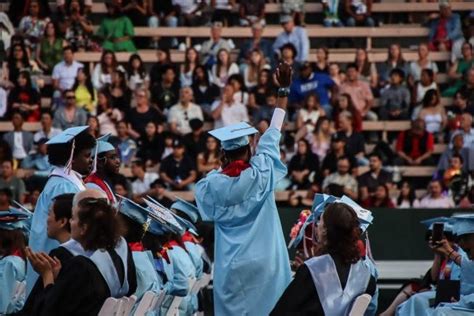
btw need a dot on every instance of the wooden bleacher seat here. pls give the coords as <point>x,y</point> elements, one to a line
<point>27,126</point>
<point>409,171</point>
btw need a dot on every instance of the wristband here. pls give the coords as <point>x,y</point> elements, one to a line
<point>283,92</point>
<point>449,255</point>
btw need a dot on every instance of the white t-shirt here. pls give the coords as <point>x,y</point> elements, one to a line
<point>106,123</point>
<point>441,202</point>
<point>66,74</point>
<point>18,149</point>
<point>231,114</point>
<point>186,6</point>
<point>139,186</point>
<point>181,116</point>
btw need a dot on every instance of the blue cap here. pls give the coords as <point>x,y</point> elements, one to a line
<point>234,136</point>
<point>132,210</point>
<point>158,229</point>
<point>103,145</point>
<point>187,225</point>
<point>187,208</point>
<point>163,216</point>
<point>364,215</point>
<point>14,219</point>
<point>448,227</point>
<point>67,135</point>
<point>463,224</point>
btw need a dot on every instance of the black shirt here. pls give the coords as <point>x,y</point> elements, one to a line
<point>301,296</point>
<point>151,149</point>
<point>177,169</point>
<point>193,147</point>
<point>367,180</point>
<point>208,96</point>
<point>355,143</point>
<point>165,97</point>
<point>330,162</point>
<point>140,120</point>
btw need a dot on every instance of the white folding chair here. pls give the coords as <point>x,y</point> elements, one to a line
<point>174,307</point>
<point>110,307</point>
<point>127,305</point>
<point>360,305</point>
<point>158,301</point>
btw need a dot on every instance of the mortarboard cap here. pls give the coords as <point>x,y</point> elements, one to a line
<point>158,229</point>
<point>16,218</point>
<point>234,136</point>
<point>463,224</point>
<point>448,227</point>
<point>102,146</point>
<point>164,216</point>
<point>67,135</point>
<point>132,210</point>
<point>187,208</point>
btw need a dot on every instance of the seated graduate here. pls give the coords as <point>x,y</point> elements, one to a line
<point>133,219</point>
<point>414,297</point>
<point>14,225</point>
<point>463,227</point>
<point>177,263</point>
<point>105,269</point>
<point>329,283</point>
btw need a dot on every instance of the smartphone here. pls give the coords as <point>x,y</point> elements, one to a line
<point>437,233</point>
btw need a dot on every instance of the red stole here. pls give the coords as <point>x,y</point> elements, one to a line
<point>136,246</point>
<point>93,178</point>
<point>164,251</point>
<point>188,237</point>
<point>234,168</point>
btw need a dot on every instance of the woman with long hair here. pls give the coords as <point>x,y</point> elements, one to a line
<point>136,73</point>
<point>86,95</point>
<point>302,166</point>
<point>423,62</point>
<point>204,91</point>
<point>240,90</point>
<point>320,139</point>
<point>394,60</point>
<point>407,197</point>
<point>119,91</point>
<point>344,103</point>
<point>191,61</point>
<point>255,64</point>
<point>103,267</point>
<point>322,60</point>
<point>107,116</point>
<point>459,68</point>
<point>223,69</point>
<point>310,113</point>
<point>102,73</point>
<point>209,159</point>
<point>258,94</point>
<point>433,113</point>
<point>151,144</point>
<point>25,99</point>
<point>49,51</point>
<point>18,61</point>
<point>345,276</point>
<point>381,198</point>
<point>367,70</point>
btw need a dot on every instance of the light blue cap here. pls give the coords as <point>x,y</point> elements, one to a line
<point>187,208</point>
<point>67,135</point>
<point>16,218</point>
<point>158,229</point>
<point>448,227</point>
<point>187,225</point>
<point>463,224</point>
<point>234,136</point>
<point>103,145</point>
<point>132,210</point>
<point>164,217</point>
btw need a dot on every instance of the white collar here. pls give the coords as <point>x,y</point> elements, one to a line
<point>73,176</point>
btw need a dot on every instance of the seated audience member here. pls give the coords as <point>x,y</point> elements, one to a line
<point>210,48</point>
<point>258,94</point>
<point>50,48</point>
<point>344,103</point>
<point>162,12</point>
<point>17,61</point>
<point>468,88</point>
<point>395,98</point>
<point>183,112</point>
<point>87,280</point>
<point>336,74</point>
<point>9,180</point>
<point>310,82</point>
<point>256,42</point>
<point>360,93</point>
<point>142,114</point>
<point>223,68</point>
<point>136,73</point>
<point>227,110</point>
<point>458,69</point>
<point>178,170</point>
<point>303,166</point>
<point>315,293</point>
<point>165,93</point>
<point>24,98</point>
<point>337,150</point>
<point>65,72</point>
<point>126,145</point>
<point>309,114</point>
<point>119,92</point>
<point>37,166</point>
<point>33,25</point>
<point>467,130</point>
<point>435,197</point>
<point>372,179</point>
<point>415,146</point>
<point>288,55</point>
<point>342,178</point>
<point>94,128</point>
<point>69,115</point>
<point>332,12</point>
<point>427,82</point>
<point>195,141</point>
<point>295,35</point>
<point>79,28</point>
<point>47,130</point>
<point>446,29</point>
<point>107,116</point>
<point>456,147</point>
<point>433,113</point>
<point>102,74</point>
<point>204,91</point>
<point>159,193</point>
<point>116,30</point>
<point>355,143</point>
<point>394,60</point>
<point>20,141</point>
<point>150,144</point>
<point>320,138</point>
<point>86,95</point>
<point>456,180</point>
<point>209,159</point>
<point>406,197</point>
<point>253,67</point>
<point>358,13</point>
<point>191,61</point>
<point>423,62</point>
<point>459,106</point>
<point>379,198</point>
<point>141,185</point>
<point>163,57</point>
<point>367,70</point>
<point>252,12</point>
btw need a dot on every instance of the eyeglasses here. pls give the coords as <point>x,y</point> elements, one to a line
<point>70,97</point>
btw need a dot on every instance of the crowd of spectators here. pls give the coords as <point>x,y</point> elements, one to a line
<point>158,115</point>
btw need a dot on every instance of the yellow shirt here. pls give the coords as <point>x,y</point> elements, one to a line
<point>84,99</point>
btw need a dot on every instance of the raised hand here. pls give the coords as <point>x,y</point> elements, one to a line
<point>283,75</point>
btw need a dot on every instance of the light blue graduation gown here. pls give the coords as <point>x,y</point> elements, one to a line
<point>12,270</point>
<point>196,257</point>
<point>39,240</point>
<point>419,304</point>
<point>179,271</point>
<point>147,278</point>
<point>373,305</point>
<point>252,267</point>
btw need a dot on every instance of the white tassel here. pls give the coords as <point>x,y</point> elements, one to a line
<point>94,167</point>
<point>68,166</point>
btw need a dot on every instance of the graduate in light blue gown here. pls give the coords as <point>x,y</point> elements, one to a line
<point>445,268</point>
<point>14,226</point>
<point>463,227</point>
<point>70,154</point>
<point>134,219</point>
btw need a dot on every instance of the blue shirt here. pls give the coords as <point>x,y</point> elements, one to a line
<point>319,83</point>
<point>299,38</point>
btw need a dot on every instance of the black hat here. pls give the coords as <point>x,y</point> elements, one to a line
<point>178,143</point>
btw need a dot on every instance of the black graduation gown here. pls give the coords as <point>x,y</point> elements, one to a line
<point>301,297</point>
<point>80,289</point>
<point>29,308</point>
